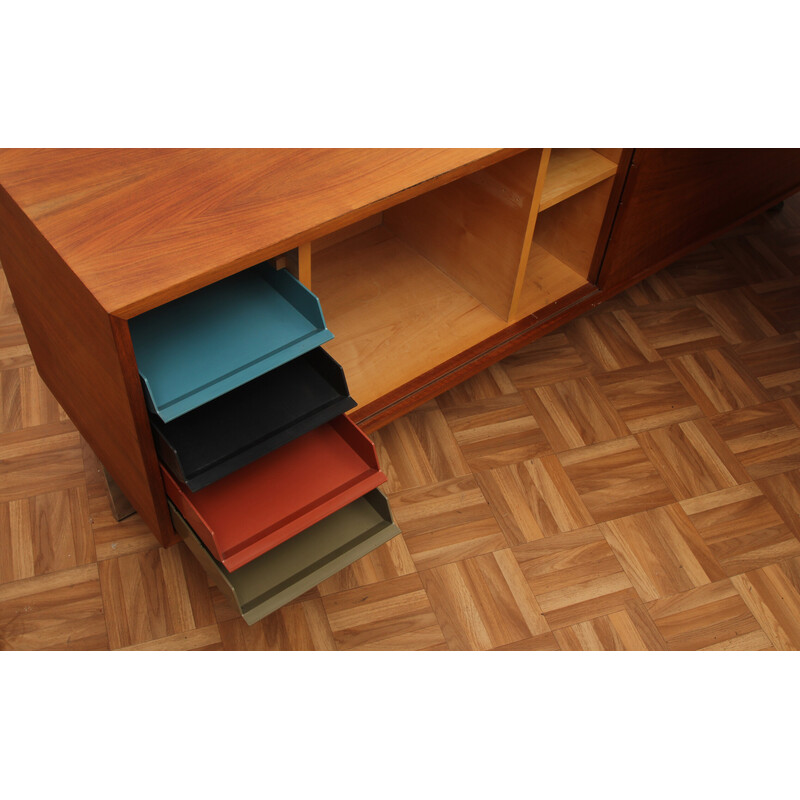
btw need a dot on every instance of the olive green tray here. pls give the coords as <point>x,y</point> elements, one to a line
<point>300,563</point>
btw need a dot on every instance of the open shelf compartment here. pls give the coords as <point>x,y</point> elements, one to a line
<point>267,502</point>
<point>194,349</point>
<point>299,564</point>
<point>571,170</point>
<point>212,441</point>
<point>394,314</point>
<point>563,250</point>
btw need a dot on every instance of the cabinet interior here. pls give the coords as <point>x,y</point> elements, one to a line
<point>407,290</point>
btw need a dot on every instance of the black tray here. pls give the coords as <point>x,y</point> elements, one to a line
<point>233,430</point>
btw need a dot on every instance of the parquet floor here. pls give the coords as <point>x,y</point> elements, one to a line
<point>631,481</point>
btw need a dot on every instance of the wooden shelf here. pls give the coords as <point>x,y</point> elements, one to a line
<point>547,280</point>
<point>393,314</point>
<point>571,170</point>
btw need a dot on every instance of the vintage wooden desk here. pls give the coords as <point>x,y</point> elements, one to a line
<point>429,264</point>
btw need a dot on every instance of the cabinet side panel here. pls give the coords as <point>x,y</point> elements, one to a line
<point>474,229</point>
<point>676,199</point>
<point>86,360</point>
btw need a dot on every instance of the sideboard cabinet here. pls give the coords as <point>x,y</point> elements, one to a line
<point>428,264</point>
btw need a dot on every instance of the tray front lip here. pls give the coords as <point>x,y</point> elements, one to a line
<point>247,552</point>
<point>304,303</point>
<point>172,409</point>
<point>204,476</point>
<point>262,541</point>
<point>329,564</point>
<point>198,476</point>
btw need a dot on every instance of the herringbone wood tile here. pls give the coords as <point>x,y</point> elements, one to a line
<point>630,481</point>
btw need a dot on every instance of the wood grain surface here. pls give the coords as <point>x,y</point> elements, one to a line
<point>141,227</point>
<point>686,197</point>
<point>648,498</point>
<point>85,358</point>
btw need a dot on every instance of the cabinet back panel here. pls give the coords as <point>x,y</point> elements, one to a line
<point>474,229</point>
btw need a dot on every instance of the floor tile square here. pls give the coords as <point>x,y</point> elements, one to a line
<point>45,533</point>
<point>615,631</point>
<point>775,362</point>
<point>779,300</point>
<point>392,615</point>
<point>574,414</point>
<point>533,499</point>
<point>418,449</point>
<point>298,626</point>
<point>707,617</point>
<point>772,594</point>
<point>446,522</point>
<point>648,396</point>
<point>615,479</point>
<point>741,528</point>
<point>708,269</point>
<point>483,602</point>
<point>783,491</point>
<point>493,381</point>
<point>765,438</point>
<point>575,577</point>
<point>692,458</point>
<point>496,431</point>
<point>735,316</point>
<point>661,552</point>
<point>547,360</point>
<point>655,289</point>
<point>609,341</point>
<point>57,611</point>
<point>676,327</point>
<point>717,381</point>
<point>154,594</point>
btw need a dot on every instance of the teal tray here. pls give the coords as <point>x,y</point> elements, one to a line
<point>209,342</point>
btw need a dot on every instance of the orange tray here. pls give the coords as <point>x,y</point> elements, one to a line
<point>267,502</point>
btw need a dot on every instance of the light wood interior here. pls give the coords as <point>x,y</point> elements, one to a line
<point>611,153</point>
<point>547,280</point>
<point>408,289</point>
<point>393,314</point>
<point>570,230</point>
<point>346,233</point>
<point>474,229</point>
<point>572,170</point>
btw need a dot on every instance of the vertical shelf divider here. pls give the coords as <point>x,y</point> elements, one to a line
<point>538,187</point>
<point>474,229</point>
